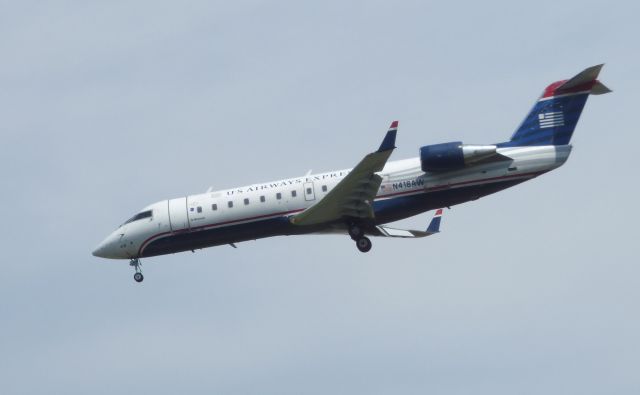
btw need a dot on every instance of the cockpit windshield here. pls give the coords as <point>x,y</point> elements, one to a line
<point>144,214</point>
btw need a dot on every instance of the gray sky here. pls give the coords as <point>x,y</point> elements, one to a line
<point>106,107</point>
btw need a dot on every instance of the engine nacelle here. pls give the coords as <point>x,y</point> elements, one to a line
<point>454,155</point>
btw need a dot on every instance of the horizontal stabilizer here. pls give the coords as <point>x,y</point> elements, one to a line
<point>600,89</point>
<point>585,81</point>
<point>586,76</point>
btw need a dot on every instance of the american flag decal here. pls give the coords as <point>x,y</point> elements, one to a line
<point>551,119</point>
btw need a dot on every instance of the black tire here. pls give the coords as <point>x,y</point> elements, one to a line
<point>355,232</point>
<point>138,277</point>
<point>364,244</point>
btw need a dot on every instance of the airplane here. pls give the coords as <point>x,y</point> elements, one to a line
<point>359,202</point>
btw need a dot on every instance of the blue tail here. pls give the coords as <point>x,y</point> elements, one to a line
<point>555,115</point>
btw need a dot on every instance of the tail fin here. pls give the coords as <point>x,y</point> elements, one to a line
<point>556,113</point>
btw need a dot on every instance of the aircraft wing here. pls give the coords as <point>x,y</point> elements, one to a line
<point>353,196</point>
<point>433,228</point>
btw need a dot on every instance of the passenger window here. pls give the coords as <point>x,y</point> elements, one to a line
<point>214,207</point>
<point>293,193</point>
<point>230,204</point>
<point>308,191</point>
<point>199,209</point>
<point>246,201</point>
<point>278,196</point>
<point>262,198</point>
<point>324,188</point>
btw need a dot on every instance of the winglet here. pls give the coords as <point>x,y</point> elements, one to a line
<point>434,226</point>
<point>389,141</point>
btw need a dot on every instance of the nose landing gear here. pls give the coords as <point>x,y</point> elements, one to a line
<point>135,263</point>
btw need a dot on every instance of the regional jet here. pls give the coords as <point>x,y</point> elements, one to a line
<point>359,202</point>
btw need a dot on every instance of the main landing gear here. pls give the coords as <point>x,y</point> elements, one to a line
<point>357,234</point>
<point>363,244</point>
<point>135,263</point>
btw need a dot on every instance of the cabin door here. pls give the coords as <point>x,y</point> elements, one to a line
<point>178,217</point>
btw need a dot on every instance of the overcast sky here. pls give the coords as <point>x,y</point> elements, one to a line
<point>106,107</point>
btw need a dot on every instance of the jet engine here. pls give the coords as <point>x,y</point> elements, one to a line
<point>454,155</point>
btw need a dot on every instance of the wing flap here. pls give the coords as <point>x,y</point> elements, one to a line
<point>433,228</point>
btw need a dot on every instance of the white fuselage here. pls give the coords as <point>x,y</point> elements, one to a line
<point>261,210</point>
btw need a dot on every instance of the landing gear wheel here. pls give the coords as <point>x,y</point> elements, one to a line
<point>135,263</point>
<point>364,244</point>
<point>355,232</point>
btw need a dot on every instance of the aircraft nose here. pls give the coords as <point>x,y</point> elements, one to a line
<point>107,249</point>
<point>100,251</point>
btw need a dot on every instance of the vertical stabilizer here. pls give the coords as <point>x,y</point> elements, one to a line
<point>556,113</point>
